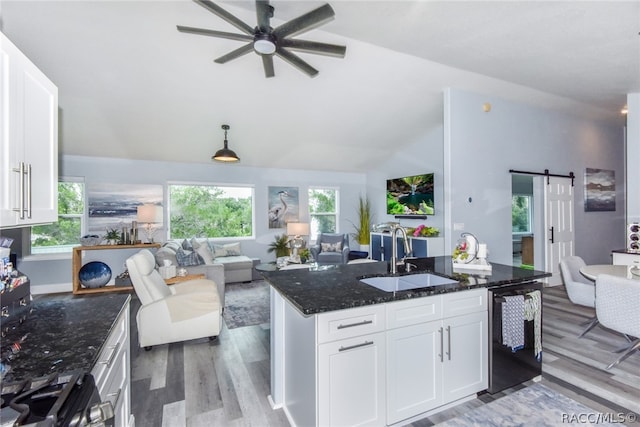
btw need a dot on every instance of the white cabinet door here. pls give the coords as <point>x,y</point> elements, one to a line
<point>351,381</point>
<point>465,356</point>
<point>414,370</point>
<point>29,141</point>
<point>626,259</point>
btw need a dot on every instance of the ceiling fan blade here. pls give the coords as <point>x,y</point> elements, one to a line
<point>296,61</point>
<point>264,12</point>
<point>220,12</point>
<point>305,22</point>
<point>314,47</point>
<point>267,63</point>
<point>213,33</point>
<point>235,53</point>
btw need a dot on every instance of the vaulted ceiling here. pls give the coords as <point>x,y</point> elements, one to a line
<point>132,86</point>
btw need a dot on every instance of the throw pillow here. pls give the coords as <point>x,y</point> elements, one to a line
<point>331,247</point>
<point>187,258</point>
<point>171,244</point>
<point>205,254</point>
<point>194,243</point>
<point>218,251</point>
<point>186,245</point>
<point>165,253</point>
<point>233,249</point>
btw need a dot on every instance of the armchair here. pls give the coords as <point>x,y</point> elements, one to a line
<point>331,248</point>
<point>617,301</point>
<point>580,290</point>
<point>184,311</point>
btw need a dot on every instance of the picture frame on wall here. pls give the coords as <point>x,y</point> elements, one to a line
<point>114,206</point>
<point>284,206</point>
<point>600,190</point>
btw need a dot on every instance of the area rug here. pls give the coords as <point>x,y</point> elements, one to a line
<point>246,304</point>
<point>536,405</point>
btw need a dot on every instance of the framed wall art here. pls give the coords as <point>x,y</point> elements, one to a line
<point>284,206</point>
<point>600,190</point>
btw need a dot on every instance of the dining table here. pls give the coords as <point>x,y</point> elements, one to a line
<point>591,272</point>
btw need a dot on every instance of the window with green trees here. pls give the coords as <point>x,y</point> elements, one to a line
<point>63,235</point>
<point>521,214</point>
<point>210,211</point>
<point>323,211</point>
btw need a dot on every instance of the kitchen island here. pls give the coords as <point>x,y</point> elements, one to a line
<point>346,353</point>
<point>64,333</point>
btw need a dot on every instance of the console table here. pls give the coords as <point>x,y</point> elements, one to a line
<point>76,265</point>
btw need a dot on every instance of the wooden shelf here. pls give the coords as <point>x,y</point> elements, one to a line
<point>76,264</point>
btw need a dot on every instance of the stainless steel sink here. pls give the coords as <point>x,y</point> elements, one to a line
<point>405,283</point>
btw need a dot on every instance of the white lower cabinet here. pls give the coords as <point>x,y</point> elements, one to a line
<point>626,259</point>
<point>351,381</point>
<point>431,363</point>
<point>380,364</point>
<point>111,372</point>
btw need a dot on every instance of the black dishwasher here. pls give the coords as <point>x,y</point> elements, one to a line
<point>515,334</point>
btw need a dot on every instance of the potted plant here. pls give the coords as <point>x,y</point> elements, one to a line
<point>304,255</point>
<point>280,246</point>
<point>112,237</point>
<point>363,227</point>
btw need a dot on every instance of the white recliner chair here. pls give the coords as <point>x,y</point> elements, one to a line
<point>184,311</point>
<point>581,291</point>
<point>617,306</point>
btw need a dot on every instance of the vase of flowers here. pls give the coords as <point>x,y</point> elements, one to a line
<point>363,227</point>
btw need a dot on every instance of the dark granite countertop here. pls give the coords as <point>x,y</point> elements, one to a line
<point>339,287</point>
<point>626,251</point>
<point>62,333</point>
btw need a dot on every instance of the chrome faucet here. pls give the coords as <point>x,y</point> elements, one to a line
<point>394,247</point>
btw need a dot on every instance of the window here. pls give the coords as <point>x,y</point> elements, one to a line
<point>63,235</point>
<point>521,214</point>
<point>210,211</point>
<point>323,211</point>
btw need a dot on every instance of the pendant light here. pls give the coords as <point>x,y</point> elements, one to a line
<point>224,154</point>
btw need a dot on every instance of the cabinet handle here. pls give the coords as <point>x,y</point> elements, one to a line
<point>351,325</point>
<point>29,191</point>
<point>441,344</point>
<point>20,208</point>
<point>449,342</point>
<point>117,397</point>
<point>109,361</point>
<point>351,347</point>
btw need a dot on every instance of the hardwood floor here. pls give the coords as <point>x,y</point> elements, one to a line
<point>226,382</point>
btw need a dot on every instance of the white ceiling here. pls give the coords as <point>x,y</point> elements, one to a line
<point>132,86</point>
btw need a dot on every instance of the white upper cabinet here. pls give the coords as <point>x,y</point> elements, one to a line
<point>28,141</point>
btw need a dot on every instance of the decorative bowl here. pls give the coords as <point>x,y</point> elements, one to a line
<point>90,240</point>
<point>94,274</point>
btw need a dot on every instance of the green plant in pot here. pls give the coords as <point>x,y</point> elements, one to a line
<point>363,226</point>
<point>280,246</point>
<point>304,255</point>
<point>112,236</point>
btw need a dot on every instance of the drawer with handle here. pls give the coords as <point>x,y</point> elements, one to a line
<point>353,322</point>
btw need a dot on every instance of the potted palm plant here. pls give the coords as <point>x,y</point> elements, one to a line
<point>363,226</point>
<point>280,246</point>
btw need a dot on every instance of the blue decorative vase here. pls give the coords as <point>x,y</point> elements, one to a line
<point>94,274</point>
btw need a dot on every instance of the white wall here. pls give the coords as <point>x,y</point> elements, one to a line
<point>633,157</point>
<point>481,147</point>
<point>118,171</point>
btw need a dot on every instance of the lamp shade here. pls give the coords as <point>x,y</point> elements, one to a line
<point>298,228</point>
<point>150,213</point>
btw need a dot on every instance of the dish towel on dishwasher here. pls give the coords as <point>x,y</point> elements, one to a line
<point>533,311</point>
<point>513,322</point>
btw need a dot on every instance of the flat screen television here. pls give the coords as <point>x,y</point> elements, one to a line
<point>410,195</point>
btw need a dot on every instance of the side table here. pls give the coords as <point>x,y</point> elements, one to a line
<point>178,279</point>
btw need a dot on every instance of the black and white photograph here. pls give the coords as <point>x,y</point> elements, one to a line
<point>600,190</point>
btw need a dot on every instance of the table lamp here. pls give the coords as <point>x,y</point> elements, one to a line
<point>297,230</point>
<point>149,215</point>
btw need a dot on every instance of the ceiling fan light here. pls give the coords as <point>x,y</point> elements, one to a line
<point>264,47</point>
<point>225,154</point>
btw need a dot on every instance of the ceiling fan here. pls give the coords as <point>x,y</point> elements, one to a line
<point>267,41</point>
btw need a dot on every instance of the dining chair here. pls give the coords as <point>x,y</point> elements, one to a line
<point>581,291</point>
<point>618,308</point>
